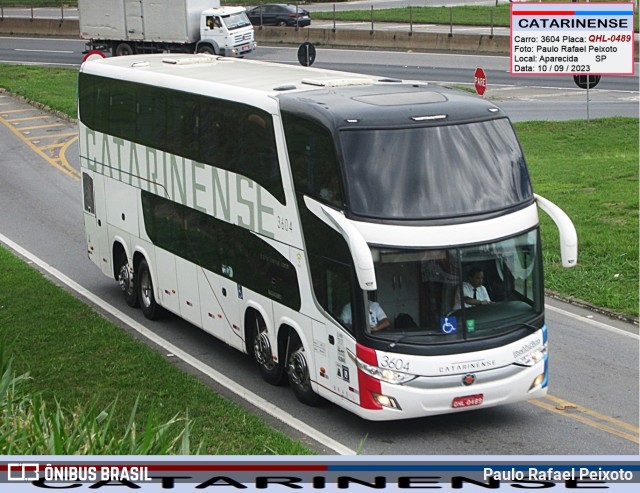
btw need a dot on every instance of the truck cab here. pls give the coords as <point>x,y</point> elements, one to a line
<point>226,31</point>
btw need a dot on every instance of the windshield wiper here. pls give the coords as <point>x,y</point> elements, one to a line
<point>527,325</point>
<point>404,337</point>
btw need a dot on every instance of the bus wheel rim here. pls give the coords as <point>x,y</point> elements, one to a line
<point>262,350</point>
<point>298,369</point>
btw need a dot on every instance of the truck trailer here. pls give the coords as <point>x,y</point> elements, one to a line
<point>127,27</point>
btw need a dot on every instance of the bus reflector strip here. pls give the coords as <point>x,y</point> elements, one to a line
<point>369,386</point>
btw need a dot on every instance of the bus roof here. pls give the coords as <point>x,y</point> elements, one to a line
<point>346,95</point>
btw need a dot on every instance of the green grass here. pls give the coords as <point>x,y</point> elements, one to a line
<point>591,171</point>
<point>75,356</point>
<point>466,15</point>
<point>29,426</point>
<point>52,87</point>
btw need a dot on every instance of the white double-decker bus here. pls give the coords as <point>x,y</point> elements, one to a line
<point>330,225</point>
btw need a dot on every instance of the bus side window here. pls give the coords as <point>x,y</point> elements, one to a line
<point>122,114</point>
<point>313,160</point>
<point>152,117</point>
<point>333,286</point>
<point>87,194</point>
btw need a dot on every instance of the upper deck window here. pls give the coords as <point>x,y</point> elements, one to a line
<point>313,160</point>
<point>434,172</point>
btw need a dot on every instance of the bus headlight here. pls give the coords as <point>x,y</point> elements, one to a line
<point>384,374</point>
<point>533,357</point>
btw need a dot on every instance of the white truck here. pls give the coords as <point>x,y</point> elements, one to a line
<point>126,27</point>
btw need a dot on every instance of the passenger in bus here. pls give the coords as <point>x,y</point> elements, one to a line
<point>474,293</point>
<point>378,319</point>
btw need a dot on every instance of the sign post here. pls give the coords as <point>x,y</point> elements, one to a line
<point>480,81</point>
<point>586,82</point>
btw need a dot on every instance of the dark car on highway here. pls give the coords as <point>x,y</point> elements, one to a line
<point>279,14</point>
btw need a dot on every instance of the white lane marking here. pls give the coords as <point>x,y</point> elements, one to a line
<point>227,383</point>
<point>594,323</point>
<point>44,51</point>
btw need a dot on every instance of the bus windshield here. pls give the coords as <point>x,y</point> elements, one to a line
<point>434,172</point>
<point>456,294</point>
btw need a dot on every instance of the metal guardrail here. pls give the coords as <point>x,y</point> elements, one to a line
<point>31,9</point>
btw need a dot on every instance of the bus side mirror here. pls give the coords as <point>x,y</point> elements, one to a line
<point>568,235</point>
<point>360,251</point>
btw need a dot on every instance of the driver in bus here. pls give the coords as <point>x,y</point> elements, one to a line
<point>378,319</point>
<point>474,293</point>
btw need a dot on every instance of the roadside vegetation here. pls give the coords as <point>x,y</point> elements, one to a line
<point>94,389</point>
<point>30,426</point>
<point>590,169</point>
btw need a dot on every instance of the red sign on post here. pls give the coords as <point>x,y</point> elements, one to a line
<point>480,81</point>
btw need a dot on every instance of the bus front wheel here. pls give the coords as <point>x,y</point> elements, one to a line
<point>146,296</point>
<point>271,371</point>
<point>298,371</point>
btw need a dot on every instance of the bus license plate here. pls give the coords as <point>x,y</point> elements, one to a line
<point>467,401</point>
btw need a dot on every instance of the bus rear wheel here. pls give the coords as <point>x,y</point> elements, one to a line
<point>271,371</point>
<point>126,279</point>
<point>146,296</point>
<point>298,372</point>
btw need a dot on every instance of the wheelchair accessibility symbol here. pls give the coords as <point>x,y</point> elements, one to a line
<point>449,325</point>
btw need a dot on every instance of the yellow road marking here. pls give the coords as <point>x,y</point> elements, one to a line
<point>63,157</point>
<point>51,146</point>
<point>51,125</point>
<point>63,166</point>
<point>28,118</point>
<point>49,136</point>
<point>589,417</point>
<point>8,112</point>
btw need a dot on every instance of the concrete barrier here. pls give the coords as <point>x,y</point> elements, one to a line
<point>40,27</point>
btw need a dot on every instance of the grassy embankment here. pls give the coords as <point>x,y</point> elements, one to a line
<point>589,169</point>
